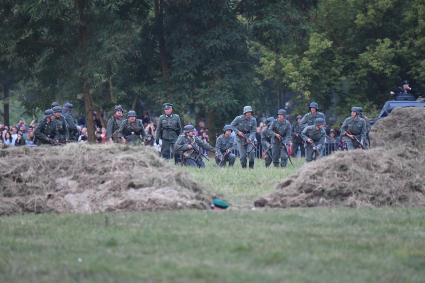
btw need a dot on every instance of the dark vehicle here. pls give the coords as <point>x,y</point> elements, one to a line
<point>392,104</point>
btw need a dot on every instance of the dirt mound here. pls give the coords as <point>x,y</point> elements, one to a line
<point>403,127</point>
<point>93,178</point>
<point>391,174</point>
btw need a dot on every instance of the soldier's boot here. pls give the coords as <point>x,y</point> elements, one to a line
<point>251,164</point>
<point>276,164</point>
<point>284,163</point>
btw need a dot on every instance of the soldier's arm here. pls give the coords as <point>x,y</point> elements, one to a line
<point>304,134</point>
<point>253,130</point>
<point>364,131</point>
<point>344,127</point>
<point>304,121</point>
<point>158,129</point>
<point>180,145</point>
<point>235,124</point>
<point>143,134</point>
<point>109,126</point>
<point>288,136</point>
<point>321,142</point>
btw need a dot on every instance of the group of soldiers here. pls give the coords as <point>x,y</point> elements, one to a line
<point>182,144</point>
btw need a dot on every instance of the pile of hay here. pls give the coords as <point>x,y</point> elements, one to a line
<point>390,174</point>
<point>93,178</point>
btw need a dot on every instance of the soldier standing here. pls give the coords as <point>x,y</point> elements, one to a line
<point>280,130</point>
<point>131,130</point>
<point>266,142</point>
<point>190,147</point>
<point>314,138</point>
<point>353,130</point>
<point>297,141</point>
<point>312,115</point>
<point>114,123</point>
<point>368,127</point>
<point>168,129</point>
<point>61,125</point>
<point>245,127</point>
<point>46,132</point>
<point>72,126</point>
<point>224,146</point>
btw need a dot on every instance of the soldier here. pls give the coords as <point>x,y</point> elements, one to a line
<point>61,125</point>
<point>353,130</point>
<point>403,92</point>
<point>310,117</point>
<point>368,127</point>
<point>245,127</point>
<point>114,123</point>
<point>280,130</point>
<point>297,141</point>
<point>168,129</point>
<point>72,126</point>
<point>266,142</point>
<point>46,131</point>
<point>190,148</point>
<point>314,138</point>
<point>131,130</point>
<point>224,146</point>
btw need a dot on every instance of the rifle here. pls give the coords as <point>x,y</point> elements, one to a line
<point>196,150</point>
<point>224,156</point>
<point>284,146</point>
<point>354,139</point>
<point>248,141</point>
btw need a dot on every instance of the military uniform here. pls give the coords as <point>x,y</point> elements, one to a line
<point>266,142</point>
<point>355,126</point>
<point>132,132</point>
<point>309,118</point>
<point>191,156</point>
<point>113,125</point>
<point>45,132</point>
<point>70,121</point>
<point>223,149</point>
<point>248,127</point>
<point>297,141</point>
<point>168,129</point>
<point>312,150</point>
<point>284,129</point>
<point>368,127</point>
<point>62,135</point>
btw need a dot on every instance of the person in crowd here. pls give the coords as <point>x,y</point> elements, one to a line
<point>168,130</point>
<point>7,139</point>
<point>403,93</point>
<point>223,148</point>
<point>245,127</point>
<point>353,130</point>
<point>70,121</point>
<point>114,124</point>
<point>83,136</point>
<point>20,141</point>
<point>313,114</point>
<point>189,148</point>
<point>297,141</point>
<point>314,138</point>
<point>150,133</point>
<point>266,142</point>
<point>62,133</point>
<point>132,130</point>
<point>280,130</point>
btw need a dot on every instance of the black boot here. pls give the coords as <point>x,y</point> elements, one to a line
<point>251,164</point>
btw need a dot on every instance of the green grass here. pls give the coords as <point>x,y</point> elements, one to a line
<point>238,245</point>
<point>242,186</point>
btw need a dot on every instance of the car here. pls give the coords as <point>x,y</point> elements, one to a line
<point>392,104</point>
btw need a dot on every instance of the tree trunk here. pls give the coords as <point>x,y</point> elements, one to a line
<point>159,18</point>
<point>81,6</point>
<point>6,117</point>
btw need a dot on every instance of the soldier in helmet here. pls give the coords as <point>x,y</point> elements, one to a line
<point>131,129</point>
<point>70,120</point>
<point>312,115</point>
<point>245,127</point>
<point>189,146</point>
<point>114,123</point>
<point>281,131</point>
<point>314,138</point>
<point>46,131</point>
<point>297,141</point>
<point>224,146</point>
<point>61,125</point>
<point>54,104</point>
<point>368,127</point>
<point>353,130</point>
<point>266,142</point>
<point>168,129</point>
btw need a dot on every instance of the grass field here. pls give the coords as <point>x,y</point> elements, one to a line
<point>239,245</point>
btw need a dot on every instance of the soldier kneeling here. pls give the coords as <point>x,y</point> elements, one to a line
<point>223,148</point>
<point>190,148</point>
<point>132,130</point>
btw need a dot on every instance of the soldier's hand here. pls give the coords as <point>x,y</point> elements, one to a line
<point>240,134</point>
<point>189,146</point>
<point>279,137</point>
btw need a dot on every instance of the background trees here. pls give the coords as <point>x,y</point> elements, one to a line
<point>209,57</point>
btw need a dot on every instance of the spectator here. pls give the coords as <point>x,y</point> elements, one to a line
<point>146,119</point>
<point>7,139</point>
<point>19,140</point>
<point>83,135</point>
<point>150,133</point>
